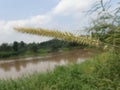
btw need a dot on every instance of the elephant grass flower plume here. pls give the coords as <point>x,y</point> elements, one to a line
<point>66,36</point>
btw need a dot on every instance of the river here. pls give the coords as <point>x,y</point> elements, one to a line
<point>24,66</point>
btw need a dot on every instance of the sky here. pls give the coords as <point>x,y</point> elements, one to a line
<point>64,15</point>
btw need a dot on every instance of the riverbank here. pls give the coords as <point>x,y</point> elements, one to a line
<point>100,73</point>
<point>22,49</point>
<point>44,53</point>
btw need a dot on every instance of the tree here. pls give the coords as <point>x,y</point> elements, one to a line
<point>22,46</point>
<point>15,46</point>
<point>5,47</point>
<point>34,47</point>
<point>106,27</point>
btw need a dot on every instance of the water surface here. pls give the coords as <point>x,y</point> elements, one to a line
<point>24,66</point>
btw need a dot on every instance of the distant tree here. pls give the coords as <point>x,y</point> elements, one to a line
<point>15,46</point>
<point>22,46</point>
<point>5,47</point>
<point>55,46</point>
<point>34,47</point>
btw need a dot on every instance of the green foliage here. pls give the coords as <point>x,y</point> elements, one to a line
<point>33,47</point>
<point>15,46</point>
<point>106,27</point>
<point>5,47</point>
<point>8,54</point>
<point>23,49</point>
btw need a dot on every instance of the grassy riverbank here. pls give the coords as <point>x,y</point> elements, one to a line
<point>45,52</point>
<point>100,73</point>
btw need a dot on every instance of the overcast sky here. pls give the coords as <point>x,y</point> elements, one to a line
<point>66,15</point>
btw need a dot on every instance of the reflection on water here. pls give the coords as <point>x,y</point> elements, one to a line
<point>19,67</point>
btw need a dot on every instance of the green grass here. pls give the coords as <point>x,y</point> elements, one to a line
<point>100,73</point>
<point>28,53</point>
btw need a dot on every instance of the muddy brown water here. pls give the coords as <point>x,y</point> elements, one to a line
<point>25,66</point>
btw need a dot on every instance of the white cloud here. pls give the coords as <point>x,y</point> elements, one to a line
<point>71,6</point>
<point>64,7</point>
<point>40,19</point>
<point>9,35</point>
<point>35,20</point>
